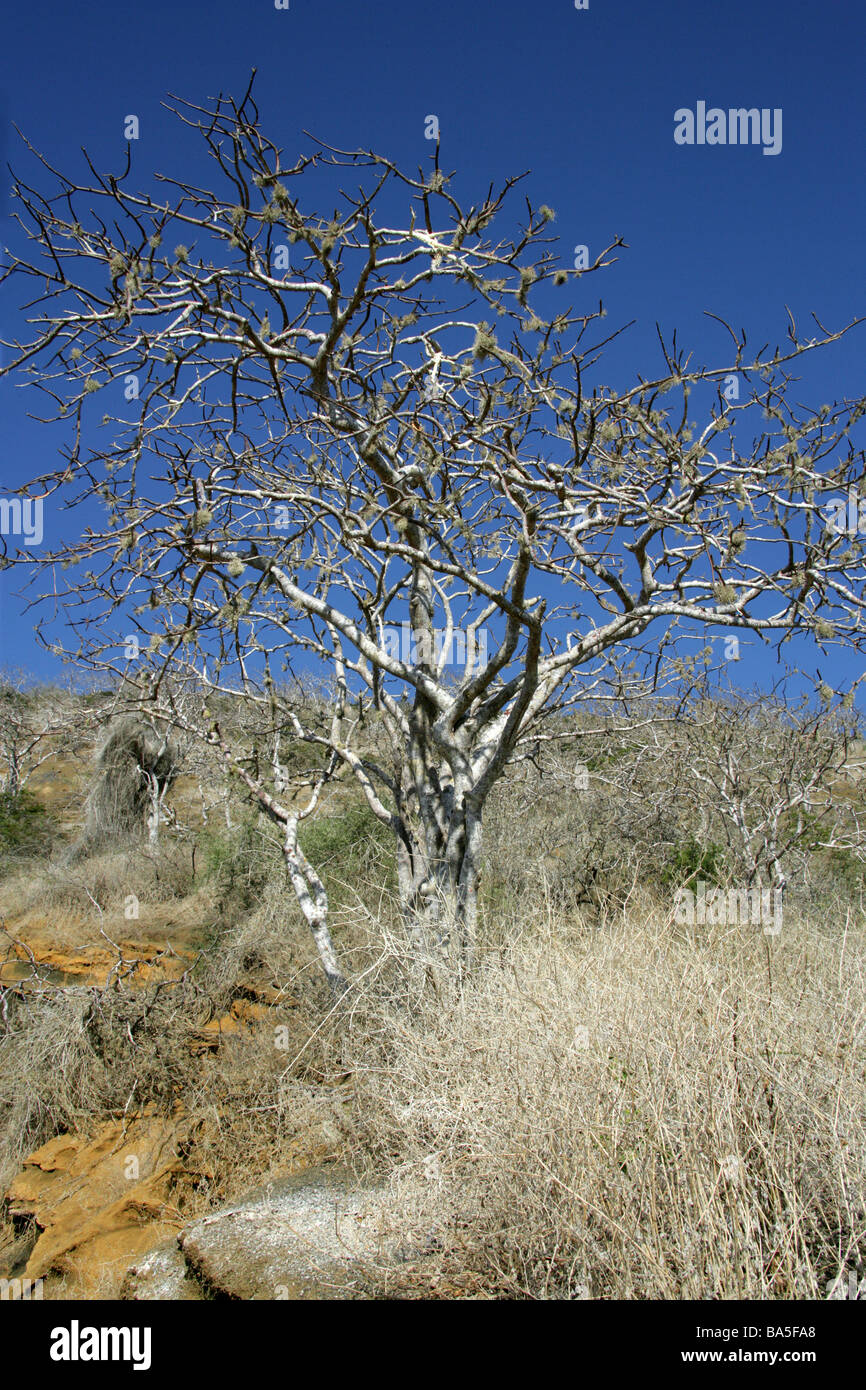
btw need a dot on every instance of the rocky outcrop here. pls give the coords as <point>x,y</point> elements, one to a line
<point>104,1214</point>
<point>140,962</point>
<point>99,1203</point>
<point>244,1017</point>
<point>310,1236</point>
<point>162,1276</point>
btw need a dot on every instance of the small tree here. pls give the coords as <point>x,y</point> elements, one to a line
<point>761,774</point>
<point>33,724</point>
<point>366,439</point>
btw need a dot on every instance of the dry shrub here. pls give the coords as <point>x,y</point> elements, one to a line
<point>72,1055</point>
<point>96,889</point>
<point>639,1111</point>
<point>109,876</point>
<point>272,944</point>
<point>131,753</point>
<point>635,1113</point>
<point>255,1120</point>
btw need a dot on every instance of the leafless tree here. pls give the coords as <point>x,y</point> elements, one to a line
<point>33,723</point>
<point>354,440</point>
<point>761,773</point>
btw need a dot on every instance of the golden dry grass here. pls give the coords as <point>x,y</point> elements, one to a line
<point>639,1112</point>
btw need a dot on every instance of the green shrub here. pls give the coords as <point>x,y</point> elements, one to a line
<point>240,861</point>
<point>845,869</point>
<point>25,826</point>
<point>691,860</point>
<point>841,866</point>
<point>350,845</point>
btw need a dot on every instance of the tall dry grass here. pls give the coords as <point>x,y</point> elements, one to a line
<point>648,1111</point>
<point>638,1111</point>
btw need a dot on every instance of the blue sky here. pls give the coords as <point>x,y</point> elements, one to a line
<point>584,99</point>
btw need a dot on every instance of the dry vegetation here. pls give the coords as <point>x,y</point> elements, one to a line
<point>611,1106</point>
<point>633,1113</point>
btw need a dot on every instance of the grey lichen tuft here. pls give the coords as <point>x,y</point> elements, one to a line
<point>484,342</point>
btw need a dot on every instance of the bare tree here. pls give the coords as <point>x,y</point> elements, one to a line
<point>264,780</point>
<point>361,440</point>
<point>760,773</point>
<point>33,723</point>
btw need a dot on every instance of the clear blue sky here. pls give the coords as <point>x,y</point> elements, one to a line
<point>583,99</point>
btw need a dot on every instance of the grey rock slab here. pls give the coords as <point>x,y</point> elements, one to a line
<point>310,1236</point>
<point>161,1275</point>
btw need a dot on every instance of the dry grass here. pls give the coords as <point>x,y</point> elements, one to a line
<point>107,876</point>
<point>72,1055</point>
<point>635,1113</point>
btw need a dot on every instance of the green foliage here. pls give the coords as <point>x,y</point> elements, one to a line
<point>25,827</point>
<point>691,860</point>
<point>346,849</point>
<point>348,845</point>
<point>297,756</point>
<point>812,832</point>
<point>842,865</point>
<point>847,869</point>
<point>609,755</point>
<point>239,861</point>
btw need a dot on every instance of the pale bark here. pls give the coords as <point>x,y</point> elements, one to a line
<point>313,901</point>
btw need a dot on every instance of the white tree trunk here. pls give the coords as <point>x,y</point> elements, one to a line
<point>313,900</point>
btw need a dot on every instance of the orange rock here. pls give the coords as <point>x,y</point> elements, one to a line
<point>101,1203</point>
<point>263,993</point>
<point>143,962</point>
<point>250,1013</point>
<point>243,1016</point>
